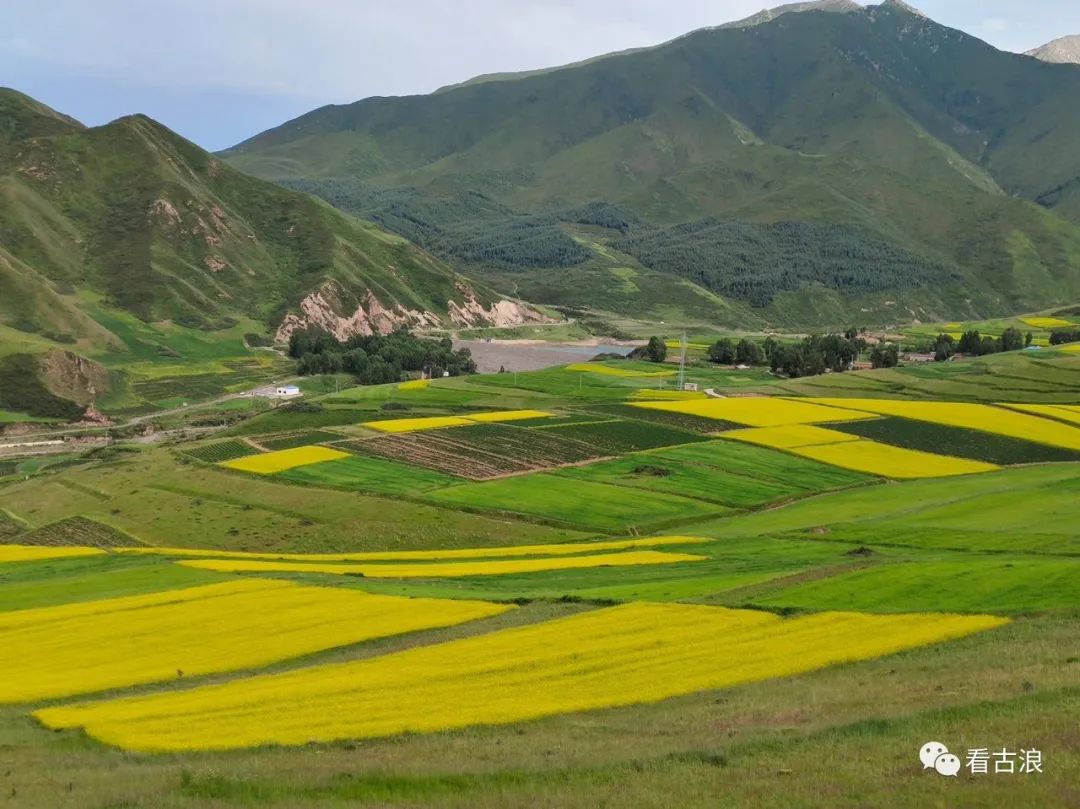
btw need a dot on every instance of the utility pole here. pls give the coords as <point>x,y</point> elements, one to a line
<point>682,364</point>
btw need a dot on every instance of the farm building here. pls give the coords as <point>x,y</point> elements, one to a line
<point>277,391</point>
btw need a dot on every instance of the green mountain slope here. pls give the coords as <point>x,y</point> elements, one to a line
<point>125,242</point>
<point>961,157</point>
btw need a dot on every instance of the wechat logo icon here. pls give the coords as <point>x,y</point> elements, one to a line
<point>936,756</point>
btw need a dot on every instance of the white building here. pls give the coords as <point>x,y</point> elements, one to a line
<point>287,390</point>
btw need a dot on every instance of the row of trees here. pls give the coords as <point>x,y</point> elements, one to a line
<point>813,355</point>
<point>1062,336</point>
<point>974,344</point>
<point>379,358</point>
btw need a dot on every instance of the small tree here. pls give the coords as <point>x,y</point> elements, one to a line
<point>1011,340</point>
<point>885,355</point>
<point>722,352</point>
<point>749,353</point>
<point>656,350</point>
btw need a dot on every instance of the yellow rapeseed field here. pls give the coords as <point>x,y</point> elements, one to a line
<point>414,425</point>
<point>656,395</point>
<point>509,551</point>
<point>760,411</point>
<point>987,418</point>
<point>790,436</point>
<point>445,570</point>
<point>415,384</point>
<point>1070,413</point>
<point>439,422</point>
<point>1073,348</point>
<point>508,415</point>
<point>82,648</point>
<point>271,462</point>
<point>37,553</point>
<point>607,370</point>
<point>1047,323</point>
<point>892,462</point>
<point>636,653</point>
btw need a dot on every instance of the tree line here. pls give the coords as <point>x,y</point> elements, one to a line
<point>813,355</point>
<point>974,344</point>
<point>378,358</point>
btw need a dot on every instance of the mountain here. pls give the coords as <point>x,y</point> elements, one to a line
<point>126,241</point>
<point>770,14</point>
<point>945,168</point>
<point>1065,50</point>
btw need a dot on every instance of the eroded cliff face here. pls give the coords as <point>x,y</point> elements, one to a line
<point>72,377</point>
<point>471,313</point>
<point>324,309</point>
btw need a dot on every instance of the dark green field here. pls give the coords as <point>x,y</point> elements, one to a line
<point>974,444</point>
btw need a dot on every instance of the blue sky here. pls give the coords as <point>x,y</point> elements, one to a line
<point>222,70</point>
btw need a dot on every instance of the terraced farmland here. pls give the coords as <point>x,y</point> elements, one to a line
<point>222,451</point>
<point>478,451</point>
<point>76,531</point>
<point>295,440</point>
<point>618,436</point>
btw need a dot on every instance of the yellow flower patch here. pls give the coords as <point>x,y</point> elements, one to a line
<point>647,394</point>
<point>81,648</point>
<point>509,415</point>
<point>414,425</point>
<point>510,551</point>
<point>760,411</point>
<point>988,418</point>
<point>1070,413</point>
<point>38,553</point>
<point>888,461</point>
<point>445,570</point>
<point>626,655</point>
<point>415,384</point>
<point>440,422</point>
<point>271,462</point>
<point>607,370</point>
<point>789,436</point>
<point>1047,323</point>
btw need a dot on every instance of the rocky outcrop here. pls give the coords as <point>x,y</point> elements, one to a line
<point>323,309</point>
<point>72,377</point>
<point>326,309</point>
<point>471,313</point>
<point>1061,51</point>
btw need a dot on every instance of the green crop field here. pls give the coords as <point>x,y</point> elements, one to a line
<point>222,451</point>
<point>710,481</point>
<point>765,465</point>
<point>619,436</point>
<point>995,585</point>
<point>368,474</point>
<point>293,440</point>
<point>610,509</point>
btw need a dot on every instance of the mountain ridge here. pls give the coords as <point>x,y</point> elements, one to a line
<point>879,120</point>
<point>137,177</point>
<point>1064,50</point>
<point>126,242</point>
